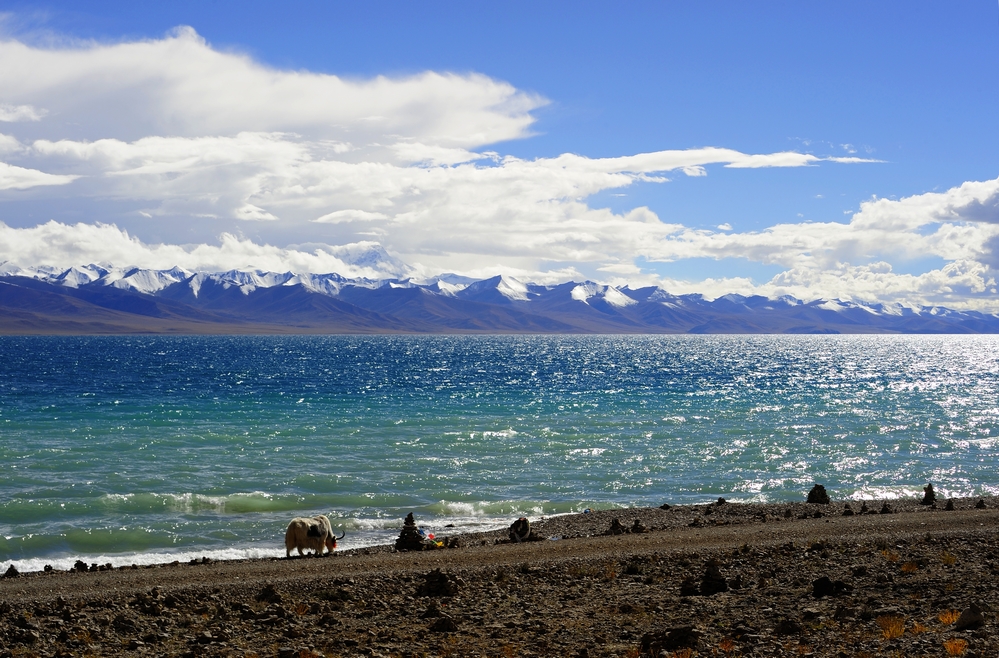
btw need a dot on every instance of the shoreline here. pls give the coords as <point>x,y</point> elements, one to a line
<point>582,594</point>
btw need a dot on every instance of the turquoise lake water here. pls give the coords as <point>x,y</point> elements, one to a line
<point>148,449</point>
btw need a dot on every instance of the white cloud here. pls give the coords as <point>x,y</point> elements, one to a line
<point>13,113</point>
<point>19,178</point>
<point>179,85</point>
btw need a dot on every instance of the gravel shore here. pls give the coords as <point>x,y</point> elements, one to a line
<point>722,579</point>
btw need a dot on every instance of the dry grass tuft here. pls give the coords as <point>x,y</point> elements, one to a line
<point>727,645</point>
<point>892,626</point>
<point>918,629</point>
<point>683,653</point>
<point>956,647</point>
<point>948,558</point>
<point>948,616</point>
<point>891,556</point>
<point>910,567</point>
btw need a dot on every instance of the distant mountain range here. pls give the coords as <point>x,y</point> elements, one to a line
<point>108,300</point>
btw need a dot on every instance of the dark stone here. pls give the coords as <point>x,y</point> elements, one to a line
<point>818,495</point>
<point>721,501</point>
<point>713,582</point>
<point>886,508</point>
<point>80,566</point>
<point>863,508</point>
<point>980,504</point>
<point>268,594</point>
<point>970,618</point>
<point>672,639</point>
<point>929,496</point>
<point>616,528</point>
<point>638,527</point>
<point>847,510</point>
<point>825,587</point>
<point>11,572</point>
<point>438,583</point>
<point>689,587</point>
<point>950,505</point>
<point>444,624</point>
<point>787,627</point>
<point>664,506</point>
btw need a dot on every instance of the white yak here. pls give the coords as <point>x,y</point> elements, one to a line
<point>310,533</point>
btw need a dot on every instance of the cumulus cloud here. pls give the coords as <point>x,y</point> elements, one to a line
<point>173,128</point>
<point>180,85</point>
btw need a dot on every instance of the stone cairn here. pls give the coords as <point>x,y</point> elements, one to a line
<point>410,538</point>
<point>617,528</point>
<point>929,496</point>
<point>818,495</point>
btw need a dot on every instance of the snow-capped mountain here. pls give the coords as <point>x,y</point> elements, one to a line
<point>102,298</point>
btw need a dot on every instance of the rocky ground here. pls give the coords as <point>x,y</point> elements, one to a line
<point>709,580</point>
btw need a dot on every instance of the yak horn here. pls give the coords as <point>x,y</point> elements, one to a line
<point>343,535</point>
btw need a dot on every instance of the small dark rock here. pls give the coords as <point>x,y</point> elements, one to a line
<point>664,506</point>
<point>929,496</point>
<point>713,582</point>
<point>787,627</point>
<point>721,501</point>
<point>825,587</point>
<point>970,618</point>
<point>438,583</point>
<point>847,510</point>
<point>689,587</point>
<point>11,572</point>
<point>980,504</point>
<point>681,637</point>
<point>616,528</point>
<point>444,624</point>
<point>268,594</point>
<point>886,508</point>
<point>863,508</point>
<point>818,495</point>
<point>638,527</point>
<point>950,505</point>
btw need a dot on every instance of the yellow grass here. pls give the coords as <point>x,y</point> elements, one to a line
<point>947,558</point>
<point>955,647</point>
<point>948,616</point>
<point>891,626</point>
<point>891,556</point>
<point>918,628</point>
<point>910,567</point>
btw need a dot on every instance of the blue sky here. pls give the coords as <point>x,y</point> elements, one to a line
<point>498,141</point>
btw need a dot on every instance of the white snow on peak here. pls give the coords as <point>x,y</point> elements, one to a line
<point>832,305</point>
<point>615,297</point>
<point>512,289</point>
<point>448,289</point>
<point>146,281</point>
<point>75,277</point>
<point>584,291</point>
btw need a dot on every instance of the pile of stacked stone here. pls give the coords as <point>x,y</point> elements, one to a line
<point>410,539</point>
